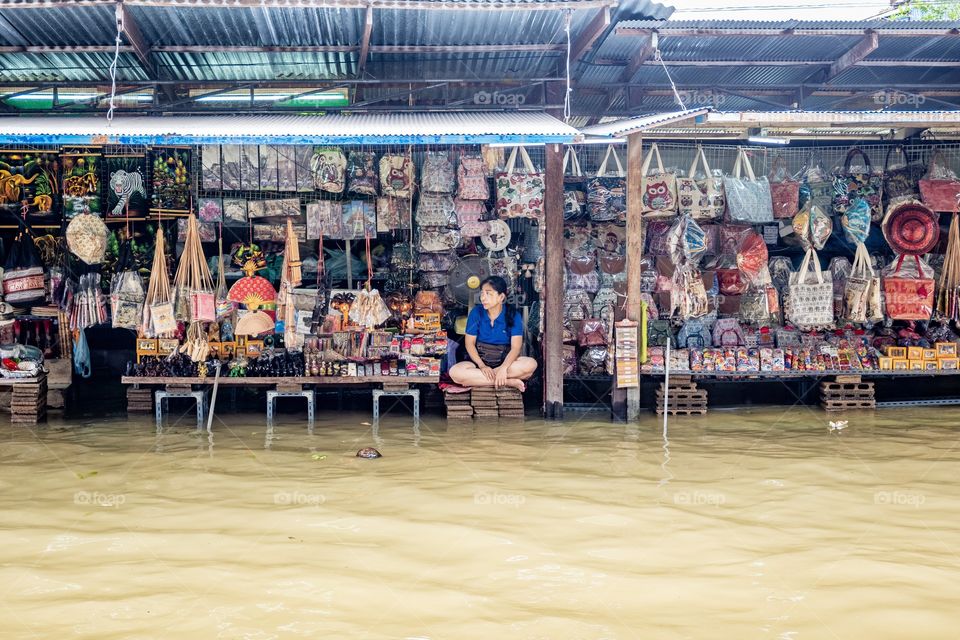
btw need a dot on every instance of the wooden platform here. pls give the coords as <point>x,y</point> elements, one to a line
<point>28,399</point>
<point>847,392</point>
<point>140,392</point>
<point>485,402</point>
<point>682,398</point>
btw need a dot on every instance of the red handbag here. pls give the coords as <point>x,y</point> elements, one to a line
<point>909,297</point>
<point>784,191</point>
<point>939,188</point>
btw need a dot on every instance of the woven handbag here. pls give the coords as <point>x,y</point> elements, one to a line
<point>848,185</point>
<point>658,190</point>
<point>607,194</point>
<point>811,295</point>
<point>700,199</point>
<point>903,182</point>
<point>87,238</point>
<point>520,194</point>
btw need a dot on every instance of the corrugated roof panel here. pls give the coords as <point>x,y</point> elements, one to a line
<point>892,76</point>
<point>70,67</point>
<point>880,25</point>
<point>256,66</point>
<point>473,27</point>
<point>642,123</point>
<point>82,25</point>
<point>394,128</point>
<point>467,66</point>
<point>600,75</point>
<point>250,26</point>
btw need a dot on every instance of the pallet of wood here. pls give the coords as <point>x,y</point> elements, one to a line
<point>28,401</point>
<point>847,393</point>
<point>458,405</point>
<point>485,402</point>
<point>683,398</point>
<point>139,400</point>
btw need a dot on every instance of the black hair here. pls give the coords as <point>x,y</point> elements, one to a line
<point>500,286</point>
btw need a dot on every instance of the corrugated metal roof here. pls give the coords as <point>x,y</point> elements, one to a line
<point>250,26</point>
<point>70,67</point>
<point>256,66</point>
<point>57,26</point>
<point>394,128</point>
<point>642,123</point>
<point>766,25</point>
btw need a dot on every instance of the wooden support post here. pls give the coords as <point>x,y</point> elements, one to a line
<point>552,303</point>
<point>634,249</point>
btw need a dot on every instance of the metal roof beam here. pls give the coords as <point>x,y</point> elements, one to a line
<point>415,5</point>
<point>720,32</point>
<point>294,84</point>
<point>365,40</point>
<point>96,48</point>
<point>394,49</point>
<point>590,33</point>
<point>855,55</point>
<point>780,63</point>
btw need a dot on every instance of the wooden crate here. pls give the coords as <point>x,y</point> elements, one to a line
<point>139,400</point>
<point>843,395</point>
<point>844,405</point>
<point>682,398</point>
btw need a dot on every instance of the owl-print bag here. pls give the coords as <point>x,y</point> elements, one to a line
<point>658,189</point>
<point>700,199</point>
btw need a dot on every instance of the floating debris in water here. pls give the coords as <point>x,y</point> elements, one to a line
<point>84,476</point>
<point>368,452</point>
<point>317,456</point>
<point>839,425</point>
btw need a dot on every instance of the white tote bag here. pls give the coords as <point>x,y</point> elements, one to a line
<point>811,295</point>
<point>748,198</point>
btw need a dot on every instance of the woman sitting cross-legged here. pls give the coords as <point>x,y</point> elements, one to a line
<point>494,340</point>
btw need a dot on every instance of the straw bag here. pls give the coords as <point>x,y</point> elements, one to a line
<point>659,189</point>
<point>607,195</point>
<point>87,238</point>
<point>437,175</point>
<point>520,195</point>
<point>811,295</point>
<point>158,317</point>
<point>193,280</point>
<point>396,175</point>
<point>848,185</point>
<point>748,198</point>
<point>908,293</point>
<point>784,192</point>
<point>700,199</point>
<point>472,178</point>
<point>940,187</point>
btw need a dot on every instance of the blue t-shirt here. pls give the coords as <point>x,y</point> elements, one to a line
<point>478,324</point>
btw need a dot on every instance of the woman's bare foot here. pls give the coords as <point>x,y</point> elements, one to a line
<point>516,383</point>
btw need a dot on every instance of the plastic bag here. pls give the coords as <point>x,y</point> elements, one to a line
<point>752,257</point>
<point>856,222</point>
<point>813,227</point>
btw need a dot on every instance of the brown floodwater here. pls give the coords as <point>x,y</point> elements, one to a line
<point>755,523</point>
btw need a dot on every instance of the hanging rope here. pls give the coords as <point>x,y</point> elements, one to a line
<point>566,96</point>
<point>113,67</point>
<point>676,94</point>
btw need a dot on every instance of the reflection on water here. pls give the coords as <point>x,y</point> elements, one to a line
<point>746,524</point>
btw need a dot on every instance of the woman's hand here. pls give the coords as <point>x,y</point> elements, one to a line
<point>489,373</point>
<point>501,377</point>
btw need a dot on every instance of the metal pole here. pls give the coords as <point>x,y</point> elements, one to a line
<point>213,398</point>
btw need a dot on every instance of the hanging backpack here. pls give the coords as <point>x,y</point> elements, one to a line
<point>607,193</point>
<point>437,175</point>
<point>396,175</point>
<point>472,178</point>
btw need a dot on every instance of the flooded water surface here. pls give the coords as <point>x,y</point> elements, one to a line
<point>746,524</point>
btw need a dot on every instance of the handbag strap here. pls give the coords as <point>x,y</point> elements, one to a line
<point>932,164</point>
<point>646,161</point>
<point>854,152</point>
<point>778,164</point>
<point>891,151</point>
<point>602,171</point>
<point>746,164</point>
<point>527,163</point>
<point>571,157</point>
<point>699,157</point>
<point>811,256</point>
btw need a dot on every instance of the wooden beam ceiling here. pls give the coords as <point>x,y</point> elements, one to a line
<point>855,55</point>
<point>590,34</point>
